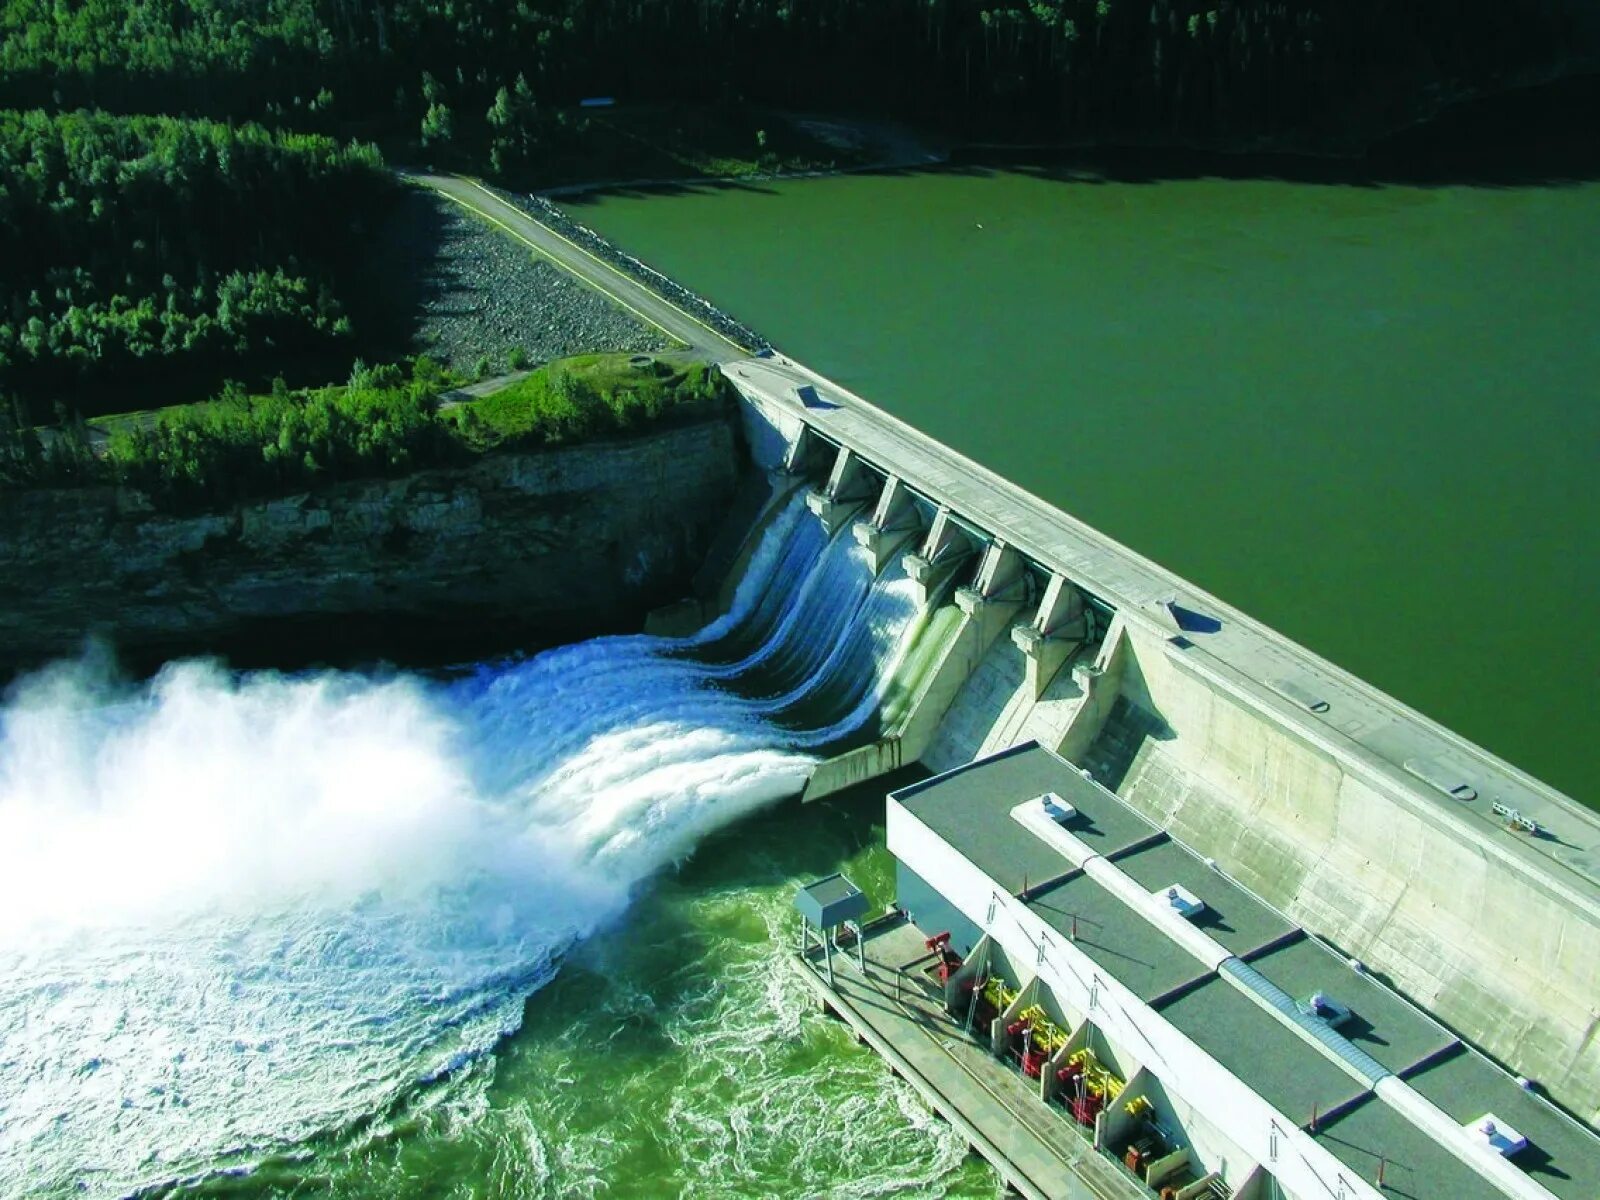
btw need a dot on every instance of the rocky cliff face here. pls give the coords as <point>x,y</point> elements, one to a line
<point>517,549</point>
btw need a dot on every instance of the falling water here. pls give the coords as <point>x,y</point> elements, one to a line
<point>238,910</point>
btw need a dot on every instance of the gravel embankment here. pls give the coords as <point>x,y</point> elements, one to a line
<point>558,218</point>
<point>478,293</point>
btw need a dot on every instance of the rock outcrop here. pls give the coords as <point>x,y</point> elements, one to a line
<point>518,549</point>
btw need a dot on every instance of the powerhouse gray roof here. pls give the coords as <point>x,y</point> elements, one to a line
<point>1233,916</point>
<point>1562,1154</point>
<point>1382,1023</point>
<point>969,808</point>
<point>1117,938</point>
<point>1303,1078</point>
<point>1369,1137</point>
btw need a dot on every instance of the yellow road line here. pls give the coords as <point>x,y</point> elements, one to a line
<point>550,258</point>
<point>598,261</point>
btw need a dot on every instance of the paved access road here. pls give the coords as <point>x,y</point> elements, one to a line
<point>698,339</point>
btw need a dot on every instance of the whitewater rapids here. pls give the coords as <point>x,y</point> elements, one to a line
<point>238,910</point>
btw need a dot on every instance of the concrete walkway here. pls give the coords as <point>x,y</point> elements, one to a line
<point>1037,1150</point>
<point>484,387</point>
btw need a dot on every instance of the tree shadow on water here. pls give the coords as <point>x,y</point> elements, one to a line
<point>1536,137</point>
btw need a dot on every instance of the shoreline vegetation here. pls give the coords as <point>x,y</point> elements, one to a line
<point>498,84</point>
<point>153,249</point>
<point>194,193</point>
<point>385,421</point>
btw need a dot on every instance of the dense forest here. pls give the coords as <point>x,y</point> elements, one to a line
<point>219,237</point>
<point>1297,71</point>
<point>136,245</point>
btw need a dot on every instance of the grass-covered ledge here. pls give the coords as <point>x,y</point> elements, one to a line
<point>386,421</point>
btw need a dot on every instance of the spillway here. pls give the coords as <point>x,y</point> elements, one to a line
<point>239,910</point>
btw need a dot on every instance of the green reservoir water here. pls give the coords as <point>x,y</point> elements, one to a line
<point>1368,416</point>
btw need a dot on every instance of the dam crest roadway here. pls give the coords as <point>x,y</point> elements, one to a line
<point>1472,885</point>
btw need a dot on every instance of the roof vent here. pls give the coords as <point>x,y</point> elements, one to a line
<point>1180,900</point>
<point>1057,809</point>
<point>1490,1132</point>
<point>1324,1008</point>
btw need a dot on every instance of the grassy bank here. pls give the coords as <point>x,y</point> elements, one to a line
<point>385,421</point>
<point>588,397</point>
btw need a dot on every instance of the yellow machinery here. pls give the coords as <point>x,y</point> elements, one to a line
<point>1097,1079</point>
<point>998,993</point>
<point>1047,1035</point>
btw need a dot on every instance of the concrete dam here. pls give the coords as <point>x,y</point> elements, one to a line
<point>403,861</point>
<point>1461,881</point>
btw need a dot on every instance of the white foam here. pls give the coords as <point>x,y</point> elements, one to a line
<point>238,910</point>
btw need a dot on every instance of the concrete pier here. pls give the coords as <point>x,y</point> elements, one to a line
<point>893,524</point>
<point>850,486</point>
<point>945,548</point>
<point>1057,631</point>
<point>893,1006</point>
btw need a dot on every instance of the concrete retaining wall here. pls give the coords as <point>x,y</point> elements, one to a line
<point>1468,931</point>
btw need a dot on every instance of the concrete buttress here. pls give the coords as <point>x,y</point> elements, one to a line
<point>893,523</point>
<point>1054,634</point>
<point>803,452</point>
<point>943,549</point>
<point>851,484</point>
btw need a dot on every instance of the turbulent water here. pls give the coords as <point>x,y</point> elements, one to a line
<point>239,910</point>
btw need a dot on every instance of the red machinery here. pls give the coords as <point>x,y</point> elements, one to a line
<point>949,960</point>
<point>1031,1056</point>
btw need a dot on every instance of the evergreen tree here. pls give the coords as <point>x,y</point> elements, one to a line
<point>438,127</point>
